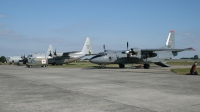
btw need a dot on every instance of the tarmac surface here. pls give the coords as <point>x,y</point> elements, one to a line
<point>25,89</point>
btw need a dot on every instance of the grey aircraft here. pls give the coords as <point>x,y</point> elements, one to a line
<point>13,59</point>
<point>68,57</point>
<point>141,56</point>
<point>40,59</point>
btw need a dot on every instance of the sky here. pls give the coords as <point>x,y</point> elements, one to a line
<point>30,26</point>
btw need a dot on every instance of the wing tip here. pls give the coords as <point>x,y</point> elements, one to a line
<point>192,49</point>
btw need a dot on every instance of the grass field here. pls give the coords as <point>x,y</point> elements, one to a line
<point>87,64</point>
<point>183,71</point>
<point>180,63</point>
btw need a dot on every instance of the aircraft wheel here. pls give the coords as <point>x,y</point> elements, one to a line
<point>44,65</point>
<point>100,66</point>
<point>30,66</point>
<point>146,66</point>
<point>121,65</point>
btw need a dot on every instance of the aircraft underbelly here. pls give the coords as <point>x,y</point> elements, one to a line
<point>130,60</point>
<point>72,59</point>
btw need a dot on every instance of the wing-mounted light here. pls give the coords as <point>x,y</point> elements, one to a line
<point>191,48</point>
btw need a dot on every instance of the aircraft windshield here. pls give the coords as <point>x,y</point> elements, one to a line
<point>102,53</point>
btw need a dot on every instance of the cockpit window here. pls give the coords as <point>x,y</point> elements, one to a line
<point>30,55</point>
<point>102,53</point>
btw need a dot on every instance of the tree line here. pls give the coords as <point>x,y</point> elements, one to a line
<point>3,59</point>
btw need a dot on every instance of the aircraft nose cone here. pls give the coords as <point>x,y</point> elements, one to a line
<point>93,60</point>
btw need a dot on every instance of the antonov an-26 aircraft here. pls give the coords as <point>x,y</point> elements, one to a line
<point>135,55</point>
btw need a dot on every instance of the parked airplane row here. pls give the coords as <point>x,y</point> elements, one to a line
<point>120,57</point>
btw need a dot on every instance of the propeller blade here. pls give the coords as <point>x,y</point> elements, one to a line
<point>128,54</point>
<point>55,53</point>
<point>104,47</point>
<point>50,54</point>
<point>127,45</point>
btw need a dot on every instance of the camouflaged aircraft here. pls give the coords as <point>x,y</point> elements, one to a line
<point>68,57</point>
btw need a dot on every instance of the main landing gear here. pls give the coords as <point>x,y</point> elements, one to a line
<point>146,66</point>
<point>102,66</point>
<point>121,65</point>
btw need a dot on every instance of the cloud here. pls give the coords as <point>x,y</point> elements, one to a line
<point>9,34</point>
<point>1,16</point>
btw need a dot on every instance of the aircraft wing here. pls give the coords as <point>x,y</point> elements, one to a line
<point>173,50</point>
<point>67,53</point>
<point>90,54</point>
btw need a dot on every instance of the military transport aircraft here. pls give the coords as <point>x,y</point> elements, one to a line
<point>68,57</point>
<point>38,58</point>
<point>13,59</point>
<point>135,55</point>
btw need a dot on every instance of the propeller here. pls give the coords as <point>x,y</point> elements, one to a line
<point>55,54</point>
<point>128,55</point>
<point>127,45</point>
<point>50,54</point>
<point>25,60</point>
<point>23,57</point>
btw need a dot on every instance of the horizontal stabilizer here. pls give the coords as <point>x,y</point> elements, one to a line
<point>162,64</point>
<point>173,50</point>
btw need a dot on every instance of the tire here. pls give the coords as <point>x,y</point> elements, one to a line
<point>121,65</point>
<point>146,66</point>
<point>100,66</point>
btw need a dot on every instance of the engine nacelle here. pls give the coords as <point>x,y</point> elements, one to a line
<point>135,52</point>
<point>148,55</point>
<point>152,54</point>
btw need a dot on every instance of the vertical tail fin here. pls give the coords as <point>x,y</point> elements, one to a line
<point>170,43</point>
<point>87,48</point>
<point>50,51</point>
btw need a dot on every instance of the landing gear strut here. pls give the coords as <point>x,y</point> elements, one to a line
<point>146,65</point>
